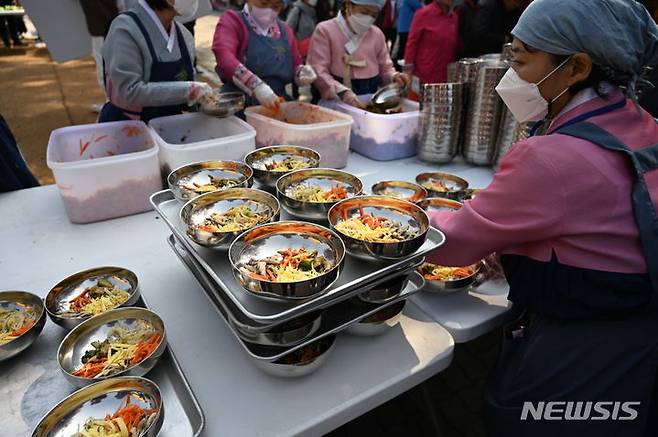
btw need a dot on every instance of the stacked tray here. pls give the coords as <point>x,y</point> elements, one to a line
<point>269,330</point>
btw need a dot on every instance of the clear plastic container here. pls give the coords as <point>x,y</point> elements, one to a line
<point>383,137</point>
<point>195,137</point>
<point>104,170</point>
<point>302,124</point>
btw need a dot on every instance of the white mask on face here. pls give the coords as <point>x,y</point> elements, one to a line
<point>264,17</point>
<point>312,2</point>
<point>360,23</point>
<point>523,98</point>
<point>185,8</point>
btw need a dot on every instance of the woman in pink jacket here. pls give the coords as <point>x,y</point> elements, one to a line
<point>257,54</point>
<point>350,55</point>
<point>572,210</point>
<point>433,42</point>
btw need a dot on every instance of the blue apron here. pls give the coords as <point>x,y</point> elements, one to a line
<point>363,86</point>
<point>14,173</point>
<point>171,71</point>
<point>602,348</point>
<point>268,58</point>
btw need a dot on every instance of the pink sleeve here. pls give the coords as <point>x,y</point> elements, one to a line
<point>292,40</point>
<point>525,202</point>
<point>386,69</point>
<point>228,42</point>
<point>320,58</point>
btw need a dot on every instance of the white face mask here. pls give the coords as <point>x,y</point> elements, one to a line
<point>360,23</point>
<point>264,17</point>
<point>185,8</point>
<point>312,2</point>
<point>523,98</point>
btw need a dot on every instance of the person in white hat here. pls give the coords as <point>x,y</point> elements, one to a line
<point>350,55</point>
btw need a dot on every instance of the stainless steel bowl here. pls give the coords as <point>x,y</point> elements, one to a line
<point>266,240</point>
<point>259,158</point>
<point>58,298</point>
<point>386,207</point>
<point>79,340</point>
<point>326,178</point>
<point>388,96</point>
<point>455,185</point>
<point>386,291</point>
<point>200,173</point>
<point>10,300</point>
<point>222,105</point>
<point>436,204</point>
<point>195,212</point>
<point>99,400</point>
<point>380,322</point>
<point>286,334</point>
<point>404,190</point>
<point>449,287</point>
<point>296,364</point>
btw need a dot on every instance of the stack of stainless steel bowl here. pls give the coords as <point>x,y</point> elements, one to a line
<point>441,119</point>
<point>510,132</point>
<point>483,114</point>
<point>452,72</point>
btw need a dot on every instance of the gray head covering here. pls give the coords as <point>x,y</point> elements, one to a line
<point>619,35</point>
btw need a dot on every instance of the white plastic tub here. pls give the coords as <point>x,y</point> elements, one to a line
<point>323,130</point>
<point>383,137</point>
<point>104,170</point>
<point>195,137</point>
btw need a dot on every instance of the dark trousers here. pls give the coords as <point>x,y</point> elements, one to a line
<point>403,44</point>
<point>10,30</point>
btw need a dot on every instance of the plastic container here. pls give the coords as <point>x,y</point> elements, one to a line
<point>104,170</point>
<point>302,124</point>
<point>195,137</point>
<point>383,137</point>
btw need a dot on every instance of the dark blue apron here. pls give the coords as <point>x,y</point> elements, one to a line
<point>171,71</point>
<point>268,58</point>
<point>586,359</point>
<point>363,86</point>
<point>14,173</point>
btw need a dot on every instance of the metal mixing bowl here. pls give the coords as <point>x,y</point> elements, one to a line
<point>284,335</point>
<point>266,240</point>
<point>380,322</point>
<point>386,291</point>
<point>292,366</point>
<point>79,340</point>
<point>195,212</point>
<point>222,105</point>
<point>436,204</point>
<point>259,158</point>
<point>386,207</point>
<point>455,185</point>
<point>388,97</point>
<point>57,300</point>
<point>200,172</point>
<point>99,400</point>
<point>449,287</point>
<point>403,190</point>
<point>10,300</point>
<point>325,178</point>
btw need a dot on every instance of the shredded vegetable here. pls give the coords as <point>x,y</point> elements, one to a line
<point>440,185</point>
<point>97,299</point>
<point>237,218</point>
<point>290,265</point>
<point>214,184</point>
<point>121,350</point>
<point>432,272</point>
<point>129,420</point>
<point>309,193</point>
<point>16,322</point>
<point>289,163</point>
<point>367,227</point>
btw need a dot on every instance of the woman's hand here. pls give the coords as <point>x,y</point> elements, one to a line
<point>306,75</point>
<point>351,99</point>
<point>267,97</point>
<point>402,79</point>
<point>197,92</point>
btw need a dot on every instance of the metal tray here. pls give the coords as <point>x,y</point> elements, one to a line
<point>334,319</point>
<point>357,276</point>
<point>33,383</point>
